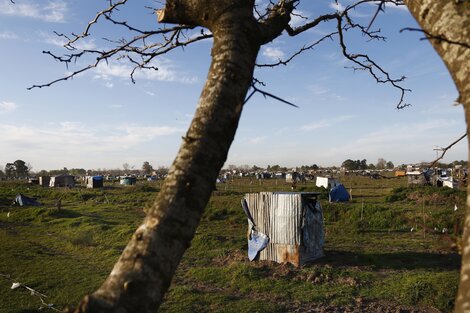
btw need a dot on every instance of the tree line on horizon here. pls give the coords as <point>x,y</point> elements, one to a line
<point>20,169</point>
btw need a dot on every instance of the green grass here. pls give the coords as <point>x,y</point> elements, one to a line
<point>371,254</point>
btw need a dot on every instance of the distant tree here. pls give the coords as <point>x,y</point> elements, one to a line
<point>305,168</point>
<point>381,163</point>
<point>456,162</point>
<point>232,167</point>
<point>77,171</point>
<point>256,168</point>
<point>2,174</point>
<point>390,165</point>
<point>10,170</point>
<point>274,168</point>
<point>402,167</point>
<point>371,166</point>
<point>63,171</point>
<point>350,165</point>
<point>42,173</point>
<point>21,168</point>
<point>162,171</point>
<point>126,167</point>
<point>244,168</point>
<point>147,169</point>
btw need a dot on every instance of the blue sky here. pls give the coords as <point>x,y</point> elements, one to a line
<point>101,120</point>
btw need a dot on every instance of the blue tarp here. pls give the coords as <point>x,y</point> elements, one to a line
<point>339,194</point>
<point>22,200</point>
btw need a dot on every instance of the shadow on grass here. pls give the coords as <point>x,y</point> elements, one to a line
<point>65,213</point>
<point>395,260</point>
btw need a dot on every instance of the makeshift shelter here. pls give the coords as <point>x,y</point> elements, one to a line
<point>33,181</point>
<point>292,177</point>
<point>400,173</point>
<point>327,182</point>
<point>44,181</point>
<point>446,182</point>
<point>23,200</point>
<point>127,180</point>
<point>420,178</point>
<point>94,181</point>
<point>63,180</point>
<point>339,194</point>
<point>285,227</point>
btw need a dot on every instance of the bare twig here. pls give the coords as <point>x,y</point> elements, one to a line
<point>270,95</point>
<point>361,61</point>
<point>365,63</point>
<point>33,292</point>
<point>300,51</point>
<point>380,7</point>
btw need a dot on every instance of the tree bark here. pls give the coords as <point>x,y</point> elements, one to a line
<point>144,271</point>
<point>447,23</point>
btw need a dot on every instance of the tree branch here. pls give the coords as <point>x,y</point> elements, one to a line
<point>440,38</point>
<point>365,63</point>
<point>444,150</point>
<point>300,51</point>
<point>361,61</point>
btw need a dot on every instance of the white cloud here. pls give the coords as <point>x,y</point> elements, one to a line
<point>6,106</point>
<point>298,18</point>
<point>8,35</point>
<point>54,11</point>
<point>73,139</point>
<point>257,140</point>
<point>319,90</point>
<point>400,142</point>
<point>274,54</point>
<point>167,71</point>
<point>152,94</point>
<point>326,123</point>
<point>108,84</point>
<point>53,39</point>
<point>115,106</point>
<point>138,134</point>
<point>337,6</point>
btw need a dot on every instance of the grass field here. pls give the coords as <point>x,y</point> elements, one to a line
<point>373,262</point>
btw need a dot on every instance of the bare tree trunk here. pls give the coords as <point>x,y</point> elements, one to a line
<point>447,25</point>
<point>144,271</point>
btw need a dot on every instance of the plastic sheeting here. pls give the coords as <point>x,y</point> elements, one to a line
<point>22,200</point>
<point>339,194</point>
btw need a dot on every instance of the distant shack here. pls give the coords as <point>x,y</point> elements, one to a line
<point>327,182</point>
<point>44,181</point>
<point>94,181</point>
<point>63,180</point>
<point>127,180</point>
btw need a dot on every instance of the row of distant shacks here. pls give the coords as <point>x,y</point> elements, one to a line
<point>65,180</point>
